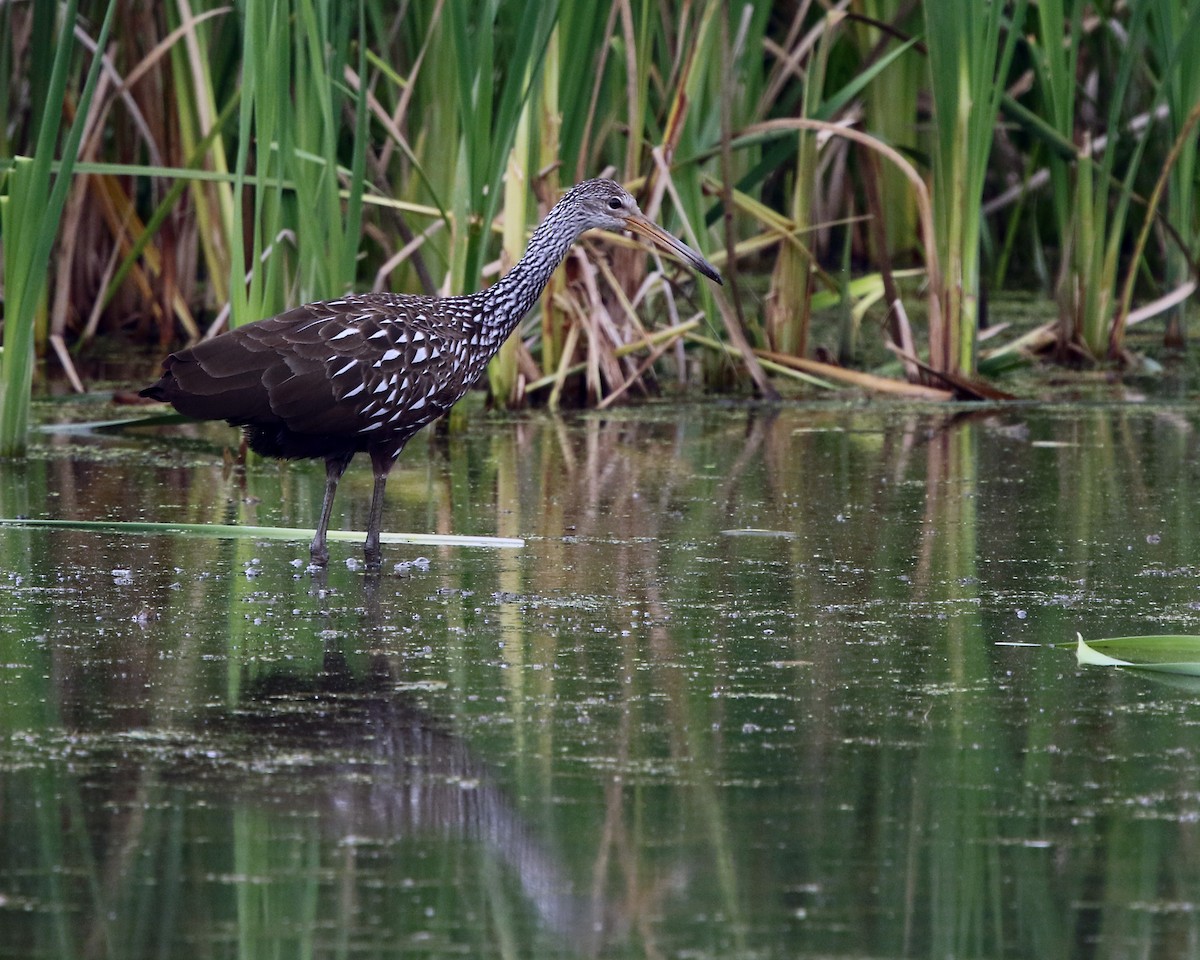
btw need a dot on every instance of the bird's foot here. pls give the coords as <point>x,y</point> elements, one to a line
<point>318,554</point>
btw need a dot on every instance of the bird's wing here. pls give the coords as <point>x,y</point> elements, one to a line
<point>338,367</point>
<point>397,371</point>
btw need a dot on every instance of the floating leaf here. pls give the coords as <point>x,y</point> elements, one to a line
<point>225,530</point>
<point>1179,654</point>
<point>157,420</point>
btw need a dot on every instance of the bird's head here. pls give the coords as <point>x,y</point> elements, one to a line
<point>609,206</point>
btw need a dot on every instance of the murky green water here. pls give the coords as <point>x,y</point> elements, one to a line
<point>758,685</point>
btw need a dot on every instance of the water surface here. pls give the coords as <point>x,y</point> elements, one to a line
<point>761,683</point>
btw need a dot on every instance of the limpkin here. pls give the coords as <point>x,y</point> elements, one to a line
<point>364,373</point>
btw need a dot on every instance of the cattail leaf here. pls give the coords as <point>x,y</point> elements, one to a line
<point>233,531</point>
<point>1170,653</point>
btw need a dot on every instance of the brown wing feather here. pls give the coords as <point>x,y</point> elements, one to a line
<point>373,365</point>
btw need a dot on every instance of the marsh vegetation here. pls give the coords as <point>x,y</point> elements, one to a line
<point>865,173</point>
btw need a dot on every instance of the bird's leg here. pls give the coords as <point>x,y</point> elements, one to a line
<point>334,468</point>
<point>382,462</point>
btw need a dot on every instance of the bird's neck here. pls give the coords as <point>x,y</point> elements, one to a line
<point>511,297</point>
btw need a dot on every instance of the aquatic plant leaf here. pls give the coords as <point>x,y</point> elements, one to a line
<point>229,531</point>
<point>1178,654</point>
<point>89,426</point>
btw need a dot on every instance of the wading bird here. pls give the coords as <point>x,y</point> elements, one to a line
<point>364,373</point>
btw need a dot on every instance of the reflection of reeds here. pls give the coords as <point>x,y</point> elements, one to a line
<point>678,735</point>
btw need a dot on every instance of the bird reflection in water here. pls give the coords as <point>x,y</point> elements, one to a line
<point>374,768</point>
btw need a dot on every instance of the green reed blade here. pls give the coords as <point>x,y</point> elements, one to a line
<point>489,116</point>
<point>30,214</point>
<point>970,50</point>
<point>1174,46</point>
<point>234,531</point>
<point>1169,653</point>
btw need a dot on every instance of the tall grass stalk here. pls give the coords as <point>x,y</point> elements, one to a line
<point>1184,143</point>
<point>925,215</point>
<point>329,229</point>
<point>550,149</point>
<point>515,36</point>
<point>1100,219</point>
<point>890,113</point>
<point>970,50</point>
<point>197,115</point>
<point>6,94</point>
<point>291,113</point>
<point>502,370</point>
<point>265,78</point>
<point>585,32</point>
<point>696,119</point>
<point>182,182</point>
<point>1054,54</point>
<point>791,282</point>
<point>1174,43</point>
<point>29,218</point>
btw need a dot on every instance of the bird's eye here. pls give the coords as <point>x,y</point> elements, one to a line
<point>614,203</point>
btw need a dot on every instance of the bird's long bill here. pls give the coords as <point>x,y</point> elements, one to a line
<point>650,229</point>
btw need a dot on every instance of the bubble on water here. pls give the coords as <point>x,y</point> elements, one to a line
<point>407,567</point>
